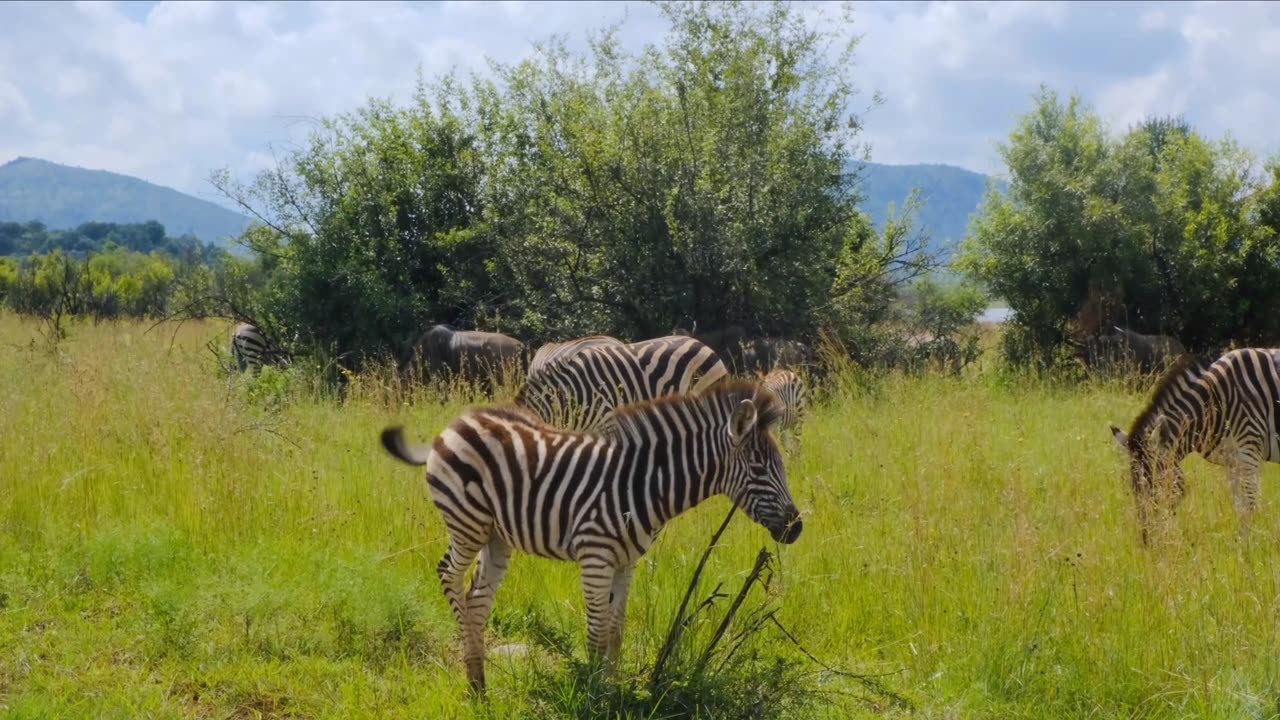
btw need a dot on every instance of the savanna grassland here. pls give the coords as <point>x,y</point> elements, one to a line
<point>175,543</point>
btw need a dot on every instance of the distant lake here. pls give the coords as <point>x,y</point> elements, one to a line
<point>995,315</point>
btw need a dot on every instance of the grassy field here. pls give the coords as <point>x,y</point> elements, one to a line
<point>175,544</point>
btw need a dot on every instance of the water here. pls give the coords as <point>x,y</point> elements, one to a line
<point>994,315</point>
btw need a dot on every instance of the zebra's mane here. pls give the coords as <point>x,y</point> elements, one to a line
<point>725,395</point>
<point>1185,366</point>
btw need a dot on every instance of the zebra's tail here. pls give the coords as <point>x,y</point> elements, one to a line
<point>393,440</point>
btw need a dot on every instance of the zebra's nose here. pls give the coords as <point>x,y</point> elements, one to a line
<point>792,532</point>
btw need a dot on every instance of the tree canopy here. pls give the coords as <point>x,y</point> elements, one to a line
<point>1160,221</point>
<point>702,180</point>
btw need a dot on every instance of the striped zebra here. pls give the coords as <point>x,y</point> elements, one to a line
<point>554,353</point>
<point>1226,412</point>
<point>252,349</point>
<point>582,388</point>
<point>503,479</point>
<point>790,389</point>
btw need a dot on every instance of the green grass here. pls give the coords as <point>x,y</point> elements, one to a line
<point>172,545</point>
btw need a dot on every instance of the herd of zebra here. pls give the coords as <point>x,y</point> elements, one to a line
<point>607,441</point>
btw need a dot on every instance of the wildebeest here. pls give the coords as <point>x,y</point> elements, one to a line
<point>471,354</point>
<point>764,354</point>
<point>1120,347</point>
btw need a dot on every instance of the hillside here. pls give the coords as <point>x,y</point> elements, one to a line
<point>950,193</point>
<point>64,197</point>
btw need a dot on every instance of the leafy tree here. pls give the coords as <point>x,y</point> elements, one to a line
<point>1156,217</point>
<point>374,230</point>
<point>699,181</point>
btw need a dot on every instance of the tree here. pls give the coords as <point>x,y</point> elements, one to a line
<point>1157,218</point>
<point>699,181</point>
<point>375,228</point>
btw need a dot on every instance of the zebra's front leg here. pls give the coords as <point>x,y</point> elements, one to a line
<point>494,559</point>
<point>597,581</point>
<point>621,588</point>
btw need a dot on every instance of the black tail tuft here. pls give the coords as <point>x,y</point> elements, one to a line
<point>393,440</point>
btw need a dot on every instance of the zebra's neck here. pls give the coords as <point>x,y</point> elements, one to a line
<point>1183,404</point>
<point>673,458</point>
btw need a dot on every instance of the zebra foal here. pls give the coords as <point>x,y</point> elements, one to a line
<point>1226,412</point>
<point>790,389</point>
<point>503,479</point>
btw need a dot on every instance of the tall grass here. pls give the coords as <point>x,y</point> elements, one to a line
<point>177,543</point>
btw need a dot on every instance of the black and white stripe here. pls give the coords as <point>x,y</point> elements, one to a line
<point>790,389</point>
<point>579,390</point>
<point>1226,412</point>
<point>555,353</point>
<point>252,349</point>
<point>503,479</point>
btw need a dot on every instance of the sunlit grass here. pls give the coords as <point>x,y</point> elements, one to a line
<point>175,544</point>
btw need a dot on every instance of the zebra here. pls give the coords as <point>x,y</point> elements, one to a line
<point>252,349</point>
<point>554,353</point>
<point>583,386</point>
<point>1226,412</point>
<point>790,389</point>
<point>504,479</point>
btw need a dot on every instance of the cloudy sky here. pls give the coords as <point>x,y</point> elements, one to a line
<point>167,91</point>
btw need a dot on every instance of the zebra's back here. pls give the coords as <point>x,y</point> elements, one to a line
<point>581,391</point>
<point>554,353</point>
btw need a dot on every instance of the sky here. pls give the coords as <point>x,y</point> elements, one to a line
<point>170,91</point>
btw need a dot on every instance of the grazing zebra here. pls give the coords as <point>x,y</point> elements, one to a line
<point>252,349</point>
<point>1226,412</point>
<point>503,479</point>
<point>581,389</point>
<point>555,353</point>
<point>790,390</point>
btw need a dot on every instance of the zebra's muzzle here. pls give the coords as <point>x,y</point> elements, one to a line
<point>787,531</point>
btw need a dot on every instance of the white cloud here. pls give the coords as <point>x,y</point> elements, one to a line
<point>170,92</point>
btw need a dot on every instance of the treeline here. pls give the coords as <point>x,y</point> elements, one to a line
<point>700,181</point>
<point>1158,229</point>
<point>114,283</point>
<point>30,238</point>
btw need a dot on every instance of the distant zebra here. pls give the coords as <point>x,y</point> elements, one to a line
<point>503,479</point>
<point>790,389</point>
<point>252,349</point>
<point>581,389</point>
<point>1226,412</point>
<point>554,353</point>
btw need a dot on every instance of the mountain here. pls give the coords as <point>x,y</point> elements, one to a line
<point>950,195</point>
<point>63,197</point>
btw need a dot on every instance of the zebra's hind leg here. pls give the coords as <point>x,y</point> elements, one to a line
<point>597,581</point>
<point>452,570</point>
<point>1244,479</point>
<point>494,559</point>
<point>618,592</point>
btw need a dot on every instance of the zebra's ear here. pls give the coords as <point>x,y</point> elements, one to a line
<point>742,422</point>
<point>1120,437</point>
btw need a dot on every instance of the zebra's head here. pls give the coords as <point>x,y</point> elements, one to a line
<point>756,478</point>
<point>1153,473</point>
